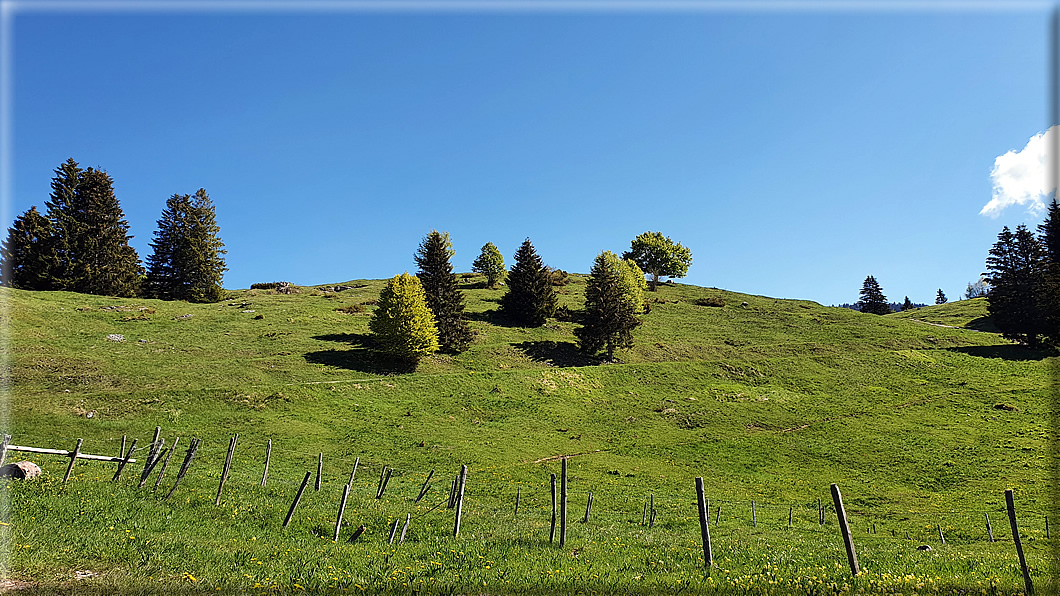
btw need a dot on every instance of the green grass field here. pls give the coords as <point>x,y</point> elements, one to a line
<point>921,426</point>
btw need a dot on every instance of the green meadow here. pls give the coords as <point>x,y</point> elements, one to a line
<point>922,418</point>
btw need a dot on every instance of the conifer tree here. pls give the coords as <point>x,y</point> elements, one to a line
<point>187,262</point>
<point>23,258</point>
<point>609,311</point>
<point>907,305</point>
<point>530,298</point>
<point>490,263</point>
<point>102,262</point>
<point>59,209</point>
<point>444,298</point>
<point>1016,274</point>
<point>1049,293</point>
<point>872,299</point>
<point>940,297</point>
<point>402,323</point>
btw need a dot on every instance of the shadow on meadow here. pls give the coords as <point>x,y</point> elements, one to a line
<point>556,353</point>
<point>983,324</point>
<point>363,357</point>
<point>1010,352</point>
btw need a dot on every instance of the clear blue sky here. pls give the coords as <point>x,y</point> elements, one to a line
<point>794,152</point>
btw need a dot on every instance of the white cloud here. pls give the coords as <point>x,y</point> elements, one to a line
<point>1019,177</point>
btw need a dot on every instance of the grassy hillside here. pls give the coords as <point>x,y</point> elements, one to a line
<point>771,402</point>
<point>966,314</point>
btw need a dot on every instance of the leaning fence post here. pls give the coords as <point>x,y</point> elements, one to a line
<point>188,457</point>
<point>1019,544</point>
<point>320,470</point>
<point>152,461</point>
<point>342,509</point>
<point>228,466</point>
<point>426,485</point>
<point>791,510</point>
<point>552,528</point>
<point>942,538</point>
<point>165,463</point>
<point>386,480</point>
<point>268,455</point>
<point>393,531</point>
<point>460,500</point>
<point>588,507</point>
<point>820,512</point>
<point>354,472</point>
<point>754,516</point>
<point>297,497</point>
<point>563,504</point>
<point>518,493</point>
<point>989,530</point>
<point>121,465</point>
<point>405,528</point>
<point>841,513</point>
<point>73,458</point>
<point>704,528</point>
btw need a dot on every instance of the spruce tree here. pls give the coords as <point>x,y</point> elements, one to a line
<point>1049,293</point>
<point>187,262</point>
<point>530,299</point>
<point>102,262</point>
<point>907,305</point>
<point>1016,274</point>
<point>59,209</point>
<point>872,299</point>
<point>402,323</point>
<point>490,263</point>
<point>609,310</point>
<point>24,256</point>
<point>444,298</point>
<point>940,297</point>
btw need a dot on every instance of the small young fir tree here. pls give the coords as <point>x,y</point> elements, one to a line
<point>940,297</point>
<point>402,323</point>
<point>610,316</point>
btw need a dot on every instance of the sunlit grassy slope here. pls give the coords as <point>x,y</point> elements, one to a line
<point>770,401</point>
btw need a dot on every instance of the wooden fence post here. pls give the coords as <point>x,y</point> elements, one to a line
<point>518,493</point>
<point>188,457</point>
<point>563,504</point>
<point>820,512</point>
<point>717,520</point>
<point>423,489</point>
<point>228,466</point>
<point>405,528</point>
<point>1019,544</point>
<point>989,530</point>
<point>588,507</point>
<point>791,510</point>
<point>552,528</point>
<point>379,487</point>
<point>754,516</point>
<point>121,450</point>
<point>73,458</point>
<point>151,468</point>
<point>942,538</point>
<point>342,509</point>
<point>460,500</point>
<point>1047,527</point>
<point>354,472</point>
<point>651,513</point>
<point>852,558</point>
<point>297,497</point>
<point>152,460</point>
<point>704,527</point>
<point>165,463</point>
<point>393,531</point>
<point>386,480</point>
<point>452,493</point>
<point>121,464</point>
<point>320,470</point>
<point>268,456</point>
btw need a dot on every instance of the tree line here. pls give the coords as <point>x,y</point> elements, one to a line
<point>81,244</point>
<point>422,314</point>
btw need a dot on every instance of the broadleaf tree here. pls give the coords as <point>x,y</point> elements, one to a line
<point>402,323</point>
<point>444,298</point>
<point>530,299</point>
<point>659,256</point>
<point>490,262</point>
<point>872,299</point>
<point>610,313</point>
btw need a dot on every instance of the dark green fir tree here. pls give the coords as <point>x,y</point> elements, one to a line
<point>59,209</point>
<point>940,297</point>
<point>24,256</point>
<point>610,316</point>
<point>444,298</point>
<point>530,299</point>
<point>188,259</point>
<point>907,305</point>
<point>1016,272</point>
<point>1049,293</point>
<point>872,299</point>
<point>102,262</point>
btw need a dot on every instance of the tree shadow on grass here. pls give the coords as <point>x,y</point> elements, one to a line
<point>493,317</point>
<point>363,355</point>
<point>556,353</point>
<point>983,324</point>
<point>1012,352</point>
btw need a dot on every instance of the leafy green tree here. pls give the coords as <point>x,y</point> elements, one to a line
<point>1049,293</point>
<point>609,310</point>
<point>25,264</point>
<point>1016,273</point>
<point>977,289</point>
<point>444,298</point>
<point>402,323</point>
<point>659,256</point>
<point>940,298</point>
<point>187,262</point>
<point>102,262</point>
<point>490,263</point>
<point>530,298</point>
<point>907,305</point>
<point>59,209</point>
<point>633,283</point>
<point>872,299</point>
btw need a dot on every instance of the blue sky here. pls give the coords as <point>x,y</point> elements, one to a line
<point>795,152</point>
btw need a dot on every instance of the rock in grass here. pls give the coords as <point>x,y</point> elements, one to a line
<point>116,337</point>
<point>924,547</point>
<point>23,470</point>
